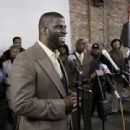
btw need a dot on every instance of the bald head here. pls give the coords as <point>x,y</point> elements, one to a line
<point>80,45</point>
<point>47,18</point>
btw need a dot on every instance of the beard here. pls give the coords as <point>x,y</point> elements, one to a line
<point>55,41</point>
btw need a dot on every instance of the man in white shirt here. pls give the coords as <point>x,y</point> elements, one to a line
<point>83,59</point>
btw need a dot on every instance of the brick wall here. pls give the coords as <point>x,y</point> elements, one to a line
<point>79,20</point>
<point>97,24</point>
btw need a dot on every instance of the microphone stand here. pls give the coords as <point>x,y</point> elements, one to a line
<point>104,107</point>
<point>79,83</point>
<point>119,99</point>
<point>103,99</point>
<point>78,89</point>
<point>112,86</point>
<point>78,104</point>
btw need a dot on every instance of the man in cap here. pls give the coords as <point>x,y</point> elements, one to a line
<point>98,64</point>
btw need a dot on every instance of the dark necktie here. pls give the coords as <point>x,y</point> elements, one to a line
<point>63,79</point>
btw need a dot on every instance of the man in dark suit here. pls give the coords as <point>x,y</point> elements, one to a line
<point>83,60</point>
<point>39,88</point>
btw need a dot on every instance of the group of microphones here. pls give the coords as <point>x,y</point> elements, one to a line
<point>118,71</point>
<point>72,59</point>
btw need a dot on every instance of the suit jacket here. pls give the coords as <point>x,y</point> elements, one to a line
<point>37,92</point>
<point>85,67</point>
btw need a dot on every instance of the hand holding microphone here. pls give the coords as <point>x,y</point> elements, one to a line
<point>71,102</point>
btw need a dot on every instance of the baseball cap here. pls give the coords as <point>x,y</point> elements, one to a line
<point>95,46</point>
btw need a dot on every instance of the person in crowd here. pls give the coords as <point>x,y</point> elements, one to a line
<point>64,53</point>
<point>117,56</point>
<point>98,57</point>
<point>83,59</point>
<point>7,67</point>
<point>99,68</point>
<point>88,48</point>
<point>116,53</point>
<point>3,100</point>
<point>16,43</point>
<point>39,84</point>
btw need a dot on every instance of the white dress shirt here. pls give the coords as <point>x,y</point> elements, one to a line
<point>53,57</point>
<point>80,57</point>
<point>7,67</point>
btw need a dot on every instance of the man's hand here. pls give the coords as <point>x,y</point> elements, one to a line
<point>93,75</point>
<point>71,102</point>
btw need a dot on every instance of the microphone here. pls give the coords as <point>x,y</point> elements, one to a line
<point>72,59</point>
<point>116,94</point>
<point>106,54</point>
<point>125,79</point>
<point>125,73</point>
<point>113,88</point>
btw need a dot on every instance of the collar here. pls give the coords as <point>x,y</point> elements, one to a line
<point>48,51</point>
<point>79,54</point>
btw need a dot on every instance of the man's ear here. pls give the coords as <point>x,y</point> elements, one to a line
<point>44,30</point>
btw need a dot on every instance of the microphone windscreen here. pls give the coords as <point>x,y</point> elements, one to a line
<point>71,58</point>
<point>105,53</point>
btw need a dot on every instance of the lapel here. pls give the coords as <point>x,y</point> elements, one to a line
<point>44,62</point>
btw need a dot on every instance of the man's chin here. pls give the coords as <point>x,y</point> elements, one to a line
<point>61,44</point>
<point>58,47</point>
<point>61,39</point>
